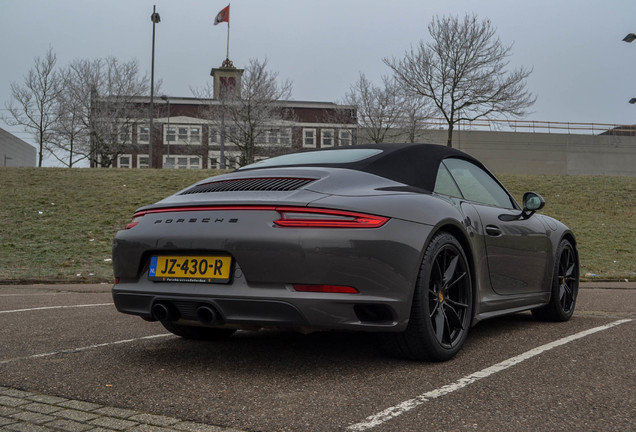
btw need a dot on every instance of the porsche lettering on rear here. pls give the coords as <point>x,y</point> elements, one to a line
<point>195,220</point>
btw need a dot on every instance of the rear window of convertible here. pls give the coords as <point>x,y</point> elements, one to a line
<point>316,157</point>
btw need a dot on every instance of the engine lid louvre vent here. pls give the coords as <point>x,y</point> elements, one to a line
<point>275,184</point>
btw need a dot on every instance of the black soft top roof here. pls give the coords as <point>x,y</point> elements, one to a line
<point>412,164</point>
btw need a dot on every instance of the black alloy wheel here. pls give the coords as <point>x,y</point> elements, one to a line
<point>442,305</point>
<point>449,296</point>
<point>568,279</point>
<point>565,286</point>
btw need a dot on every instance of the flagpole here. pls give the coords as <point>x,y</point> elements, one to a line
<point>228,38</point>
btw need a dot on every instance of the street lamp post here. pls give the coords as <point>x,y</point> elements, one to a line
<point>155,18</point>
<point>631,37</point>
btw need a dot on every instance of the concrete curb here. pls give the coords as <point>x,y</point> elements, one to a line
<point>607,285</point>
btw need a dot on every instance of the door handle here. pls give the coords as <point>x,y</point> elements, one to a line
<point>493,230</point>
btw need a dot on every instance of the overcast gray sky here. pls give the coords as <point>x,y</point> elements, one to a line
<point>582,71</point>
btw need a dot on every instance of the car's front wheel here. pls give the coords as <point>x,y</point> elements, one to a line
<point>565,286</point>
<point>196,332</point>
<point>442,304</point>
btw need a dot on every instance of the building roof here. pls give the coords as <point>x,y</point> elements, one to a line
<point>199,101</point>
<point>14,151</point>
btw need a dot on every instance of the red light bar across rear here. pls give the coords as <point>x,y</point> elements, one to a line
<point>291,217</point>
<point>306,217</point>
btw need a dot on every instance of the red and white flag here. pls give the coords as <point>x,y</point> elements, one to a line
<point>223,16</point>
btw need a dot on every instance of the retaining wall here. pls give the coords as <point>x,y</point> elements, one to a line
<point>545,153</point>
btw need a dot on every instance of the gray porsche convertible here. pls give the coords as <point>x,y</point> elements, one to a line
<point>416,242</point>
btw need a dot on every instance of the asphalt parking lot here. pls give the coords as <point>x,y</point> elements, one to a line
<point>70,361</point>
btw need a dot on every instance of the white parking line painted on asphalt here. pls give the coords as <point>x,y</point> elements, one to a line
<point>397,410</point>
<point>56,307</point>
<point>85,348</point>
<point>55,293</point>
<point>34,294</point>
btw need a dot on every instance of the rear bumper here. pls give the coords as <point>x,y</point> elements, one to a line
<point>243,305</point>
<point>382,264</point>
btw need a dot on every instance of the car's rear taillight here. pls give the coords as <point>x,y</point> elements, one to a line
<point>304,217</point>
<point>290,217</point>
<point>135,220</point>
<point>325,288</point>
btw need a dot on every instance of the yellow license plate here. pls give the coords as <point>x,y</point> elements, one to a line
<point>191,268</point>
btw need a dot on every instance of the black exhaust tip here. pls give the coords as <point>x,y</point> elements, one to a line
<point>373,313</point>
<point>207,315</point>
<point>164,312</point>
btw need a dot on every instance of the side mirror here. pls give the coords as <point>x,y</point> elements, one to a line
<point>532,202</point>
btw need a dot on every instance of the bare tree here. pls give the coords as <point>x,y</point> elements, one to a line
<point>463,71</point>
<point>415,114</point>
<point>379,108</point>
<point>34,102</point>
<point>256,108</point>
<point>69,132</point>
<point>99,109</point>
<point>210,111</point>
<point>253,114</point>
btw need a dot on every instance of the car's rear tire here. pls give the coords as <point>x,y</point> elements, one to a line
<point>197,332</point>
<point>442,305</point>
<point>565,286</point>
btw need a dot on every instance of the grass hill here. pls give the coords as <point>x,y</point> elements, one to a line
<point>58,224</point>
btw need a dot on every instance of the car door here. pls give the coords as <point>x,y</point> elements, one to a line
<point>518,250</point>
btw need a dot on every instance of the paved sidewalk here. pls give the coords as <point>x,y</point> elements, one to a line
<point>23,411</point>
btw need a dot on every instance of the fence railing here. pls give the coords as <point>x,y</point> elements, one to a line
<point>536,126</point>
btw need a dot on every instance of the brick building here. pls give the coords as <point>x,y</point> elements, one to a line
<point>187,131</point>
<point>185,137</point>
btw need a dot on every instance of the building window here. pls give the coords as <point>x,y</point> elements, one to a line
<point>124,161</point>
<point>346,137</point>
<point>275,137</point>
<point>124,136</point>
<point>285,137</point>
<point>232,159</point>
<point>143,134</point>
<point>214,136</point>
<point>182,134</point>
<point>233,162</point>
<point>171,135</point>
<point>143,161</point>
<point>194,162</point>
<point>182,162</point>
<point>309,137</point>
<point>326,138</point>
<point>195,134</point>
